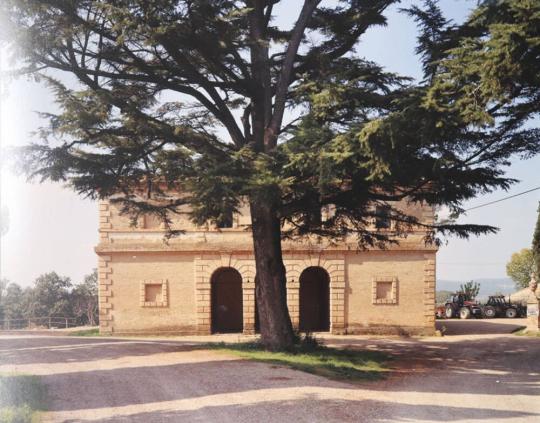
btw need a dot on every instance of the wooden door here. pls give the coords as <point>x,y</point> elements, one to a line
<point>314,300</point>
<point>227,307</point>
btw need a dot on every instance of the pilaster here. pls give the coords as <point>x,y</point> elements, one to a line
<point>105,293</point>
<point>105,223</point>
<point>429,290</point>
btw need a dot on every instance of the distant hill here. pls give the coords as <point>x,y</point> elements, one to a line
<point>487,286</point>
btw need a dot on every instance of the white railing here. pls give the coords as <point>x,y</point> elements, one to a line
<point>38,323</point>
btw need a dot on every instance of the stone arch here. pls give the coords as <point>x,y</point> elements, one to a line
<point>334,264</point>
<point>205,266</point>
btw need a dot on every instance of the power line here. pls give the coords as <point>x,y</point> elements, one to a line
<point>448,263</point>
<point>503,199</point>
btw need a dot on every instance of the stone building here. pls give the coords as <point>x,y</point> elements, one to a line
<point>203,281</point>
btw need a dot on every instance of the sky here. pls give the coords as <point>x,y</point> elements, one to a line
<point>53,229</point>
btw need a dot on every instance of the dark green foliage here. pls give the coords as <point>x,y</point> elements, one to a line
<point>51,296</point>
<point>84,300</point>
<point>470,289</point>
<point>536,244</point>
<point>490,76</point>
<point>436,37</point>
<point>12,302</point>
<point>157,79</point>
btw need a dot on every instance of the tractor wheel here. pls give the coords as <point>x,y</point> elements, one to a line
<point>511,313</point>
<point>490,312</point>
<point>449,312</point>
<point>464,313</point>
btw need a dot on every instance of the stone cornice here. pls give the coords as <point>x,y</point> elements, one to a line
<point>246,247</point>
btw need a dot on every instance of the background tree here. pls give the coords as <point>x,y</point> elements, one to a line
<point>442,296</point>
<point>470,289</point>
<point>536,244</point>
<point>520,267</point>
<point>12,302</point>
<point>49,297</point>
<point>84,300</point>
<point>3,285</point>
<point>187,96</point>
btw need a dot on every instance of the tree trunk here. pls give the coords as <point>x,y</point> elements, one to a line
<point>270,281</point>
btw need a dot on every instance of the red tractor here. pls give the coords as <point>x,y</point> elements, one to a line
<point>459,306</point>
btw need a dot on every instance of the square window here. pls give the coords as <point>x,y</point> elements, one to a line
<point>226,220</point>
<point>328,212</point>
<point>382,217</point>
<point>154,294</point>
<point>152,221</point>
<point>385,290</point>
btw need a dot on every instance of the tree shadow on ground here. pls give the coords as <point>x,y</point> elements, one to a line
<point>453,327</point>
<point>511,368</point>
<point>505,365</point>
<point>499,365</point>
<point>61,350</point>
<point>312,408</point>
<point>138,385</point>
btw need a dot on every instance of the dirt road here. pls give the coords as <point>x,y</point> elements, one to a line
<point>493,376</point>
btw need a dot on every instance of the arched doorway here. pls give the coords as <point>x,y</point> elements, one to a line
<point>227,307</point>
<point>314,300</point>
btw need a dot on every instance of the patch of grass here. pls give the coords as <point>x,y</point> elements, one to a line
<point>524,332</point>
<point>332,363</point>
<point>86,332</point>
<point>22,397</point>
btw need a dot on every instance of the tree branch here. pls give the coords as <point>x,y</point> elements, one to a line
<point>272,130</point>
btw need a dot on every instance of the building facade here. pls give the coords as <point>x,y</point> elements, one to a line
<point>203,281</point>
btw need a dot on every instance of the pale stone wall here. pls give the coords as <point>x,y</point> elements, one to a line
<point>533,307</point>
<point>130,257</point>
<point>413,276</point>
<point>353,308</point>
<point>129,274</point>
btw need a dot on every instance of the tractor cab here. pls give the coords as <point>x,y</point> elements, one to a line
<point>459,306</point>
<point>497,306</point>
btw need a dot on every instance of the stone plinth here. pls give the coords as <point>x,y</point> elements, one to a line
<point>533,312</point>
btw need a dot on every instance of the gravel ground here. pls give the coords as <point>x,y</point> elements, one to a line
<point>465,376</point>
